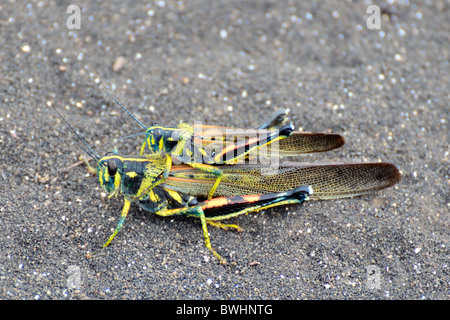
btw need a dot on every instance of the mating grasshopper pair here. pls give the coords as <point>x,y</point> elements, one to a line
<point>152,182</point>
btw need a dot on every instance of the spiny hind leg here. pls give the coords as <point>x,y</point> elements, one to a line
<point>207,241</point>
<point>195,211</point>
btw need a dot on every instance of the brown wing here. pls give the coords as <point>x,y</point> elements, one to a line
<point>296,144</point>
<point>309,142</point>
<point>329,181</point>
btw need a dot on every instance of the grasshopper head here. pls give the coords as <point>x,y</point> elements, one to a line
<point>109,171</point>
<point>155,138</point>
<point>132,176</point>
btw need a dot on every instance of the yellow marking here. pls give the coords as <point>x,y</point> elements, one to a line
<point>255,208</point>
<point>112,194</point>
<point>152,177</point>
<point>203,152</point>
<point>100,176</point>
<point>223,226</point>
<point>146,158</point>
<point>131,174</point>
<point>175,195</point>
<point>153,196</point>
<point>147,184</point>
<point>143,148</point>
<point>106,175</point>
<point>117,180</point>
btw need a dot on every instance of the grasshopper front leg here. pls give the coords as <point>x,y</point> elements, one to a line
<point>125,210</point>
<point>123,215</point>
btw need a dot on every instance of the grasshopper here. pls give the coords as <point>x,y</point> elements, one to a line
<point>137,178</point>
<point>169,191</point>
<point>204,147</point>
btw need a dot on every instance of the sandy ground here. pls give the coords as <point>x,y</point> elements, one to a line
<point>225,63</point>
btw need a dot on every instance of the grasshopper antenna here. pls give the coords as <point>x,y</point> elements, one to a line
<point>130,136</point>
<point>88,149</point>
<point>129,113</point>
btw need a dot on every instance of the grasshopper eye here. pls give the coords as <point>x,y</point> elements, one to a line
<point>157,133</point>
<point>112,168</point>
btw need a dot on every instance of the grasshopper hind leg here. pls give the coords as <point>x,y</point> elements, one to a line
<point>197,212</point>
<point>276,120</point>
<point>206,236</point>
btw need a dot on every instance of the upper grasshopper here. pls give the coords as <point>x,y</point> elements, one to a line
<point>204,147</point>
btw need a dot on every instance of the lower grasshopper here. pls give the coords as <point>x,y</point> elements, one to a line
<point>176,190</point>
<point>137,179</point>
